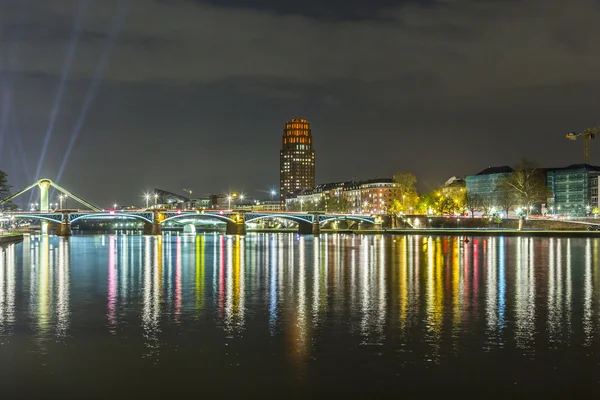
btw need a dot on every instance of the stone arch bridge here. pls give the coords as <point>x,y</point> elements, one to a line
<point>154,220</point>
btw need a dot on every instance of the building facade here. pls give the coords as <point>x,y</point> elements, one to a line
<point>485,183</point>
<point>297,159</point>
<point>454,187</point>
<point>267,206</point>
<point>574,190</point>
<point>374,196</point>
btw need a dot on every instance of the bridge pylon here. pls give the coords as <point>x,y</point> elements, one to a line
<point>154,228</point>
<point>310,228</point>
<point>64,228</point>
<point>237,226</point>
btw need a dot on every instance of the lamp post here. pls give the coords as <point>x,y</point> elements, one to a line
<point>115,206</point>
<point>229,202</point>
<point>272,194</point>
<point>147,197</point>
<point>60,200</point>
<point>301,203</point>
<point>155,199</point>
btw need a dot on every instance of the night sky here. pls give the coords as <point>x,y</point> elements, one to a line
<point>194,94</point>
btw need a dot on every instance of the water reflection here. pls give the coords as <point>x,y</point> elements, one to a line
<point>49,286</point>
<point>431,293</point>
<point>524,293</point>
<point>152,290</point>
<point>63,294</point>
<point>7,290</point>
<point>588,288</point>
<point>233,275</point>
<point>200,258</point>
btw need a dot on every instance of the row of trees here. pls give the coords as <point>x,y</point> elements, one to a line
<point>523,188</point>
<point>5,191</point>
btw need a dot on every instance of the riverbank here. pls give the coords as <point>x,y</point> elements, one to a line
<point>451,232</point>
<point>444,232</point>
<point>11,238</point>
<point>483,232</point>
<point>16,238</point>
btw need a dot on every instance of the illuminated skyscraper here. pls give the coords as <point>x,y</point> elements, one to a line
<point>297,159</point>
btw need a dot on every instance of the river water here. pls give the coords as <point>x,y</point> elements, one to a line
<point>282,315</point>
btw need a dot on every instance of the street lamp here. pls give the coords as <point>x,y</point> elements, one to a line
<point>301,203</point>
<point>147,197</point>
<point>155,198</point>
<point>273,194</point>
<point>115,206</point>
<point>229,202</point>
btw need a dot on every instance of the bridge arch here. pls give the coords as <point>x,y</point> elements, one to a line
<point>358,218</point>
<point>57,219</point>
<point>111,216</point>
<point>294,218</point>
<point>222,218</point>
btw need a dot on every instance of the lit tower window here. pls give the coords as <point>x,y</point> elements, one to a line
<point>297,168</point>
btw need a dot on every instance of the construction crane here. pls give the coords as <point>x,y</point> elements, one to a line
<point>188,191</point>
<point>587,135</point>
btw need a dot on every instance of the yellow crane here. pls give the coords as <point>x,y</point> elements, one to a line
<point>587,135</point>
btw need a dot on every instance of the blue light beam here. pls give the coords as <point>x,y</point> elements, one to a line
<point>114,29</point>
<point>18,147</point>
<point>77,26</point>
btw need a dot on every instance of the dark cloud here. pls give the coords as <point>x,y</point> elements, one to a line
<point>331,10</point>
<point>195,93</point>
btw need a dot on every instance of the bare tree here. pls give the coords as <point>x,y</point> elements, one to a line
<point>527,184</point>
<point>488,201</point>
<point>505,200</point>
<point>472,202</point>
